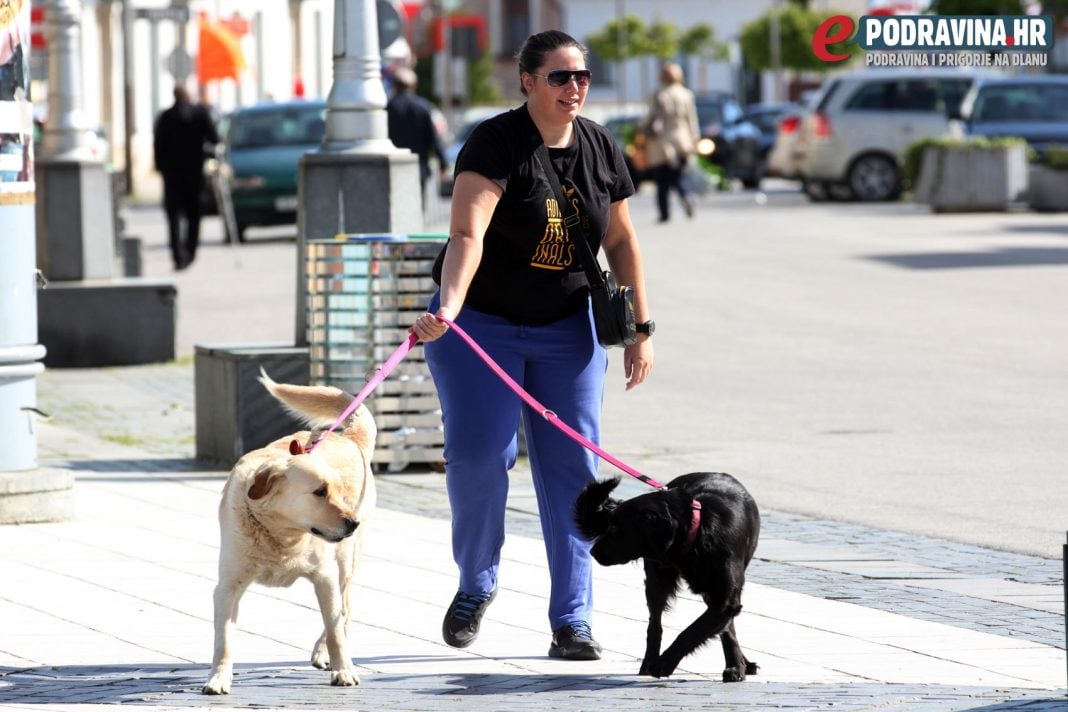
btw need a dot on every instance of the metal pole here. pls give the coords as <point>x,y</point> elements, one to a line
<point>19,350</point>
<point>446,53</point>
<point>356,106</point>
<point>621,45</point>
<point>127,95</point>
<point>776,52</point>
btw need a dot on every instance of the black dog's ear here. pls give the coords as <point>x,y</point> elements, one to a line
<point>593,508</point>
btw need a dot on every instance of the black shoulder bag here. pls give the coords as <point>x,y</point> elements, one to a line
<point>613,305</point>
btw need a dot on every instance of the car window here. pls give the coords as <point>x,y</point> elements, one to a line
<point>284,127</point>
<point>709,113</point>
<point>766,121</point>
<point>953,92</point>
<point>874,96</point>
<point>828,93</point>
<point>1031,102</point>
<point>926,95</point>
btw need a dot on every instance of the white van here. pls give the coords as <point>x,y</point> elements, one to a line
<point>852,142</point>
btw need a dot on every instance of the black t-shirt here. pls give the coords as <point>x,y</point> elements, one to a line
<point>527,250</point>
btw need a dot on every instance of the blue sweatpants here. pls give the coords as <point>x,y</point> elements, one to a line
<point>563,367</point>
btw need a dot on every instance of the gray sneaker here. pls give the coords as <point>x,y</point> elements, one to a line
<point>575,642</point>
<point>462,620</point>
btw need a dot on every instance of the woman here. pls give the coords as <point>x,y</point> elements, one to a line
<point>508,277</point>
<point>673,133</point>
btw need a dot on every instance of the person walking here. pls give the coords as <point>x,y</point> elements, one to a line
<point>184,134</point>
<point>411,125</point>
<point>508,277</point>
<point>672,133</point>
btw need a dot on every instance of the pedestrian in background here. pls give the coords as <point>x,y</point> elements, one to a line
<point>184,136</point>
<point>507,278</point>
<point>411,124</point>
<point>672,133</point>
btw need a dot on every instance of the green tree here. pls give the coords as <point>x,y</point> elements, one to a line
<point>481,89</point>
<point>797,26</point>
<point>663,40</point>
<point>618,41</point>
<point>700,41</point>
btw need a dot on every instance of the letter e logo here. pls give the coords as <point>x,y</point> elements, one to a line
<point>842,26</point>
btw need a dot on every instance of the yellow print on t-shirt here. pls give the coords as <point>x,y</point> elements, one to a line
<point>555,250</point>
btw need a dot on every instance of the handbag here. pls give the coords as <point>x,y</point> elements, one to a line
<point>613,304</point>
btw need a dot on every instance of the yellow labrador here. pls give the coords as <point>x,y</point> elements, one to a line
<point>284,516</point>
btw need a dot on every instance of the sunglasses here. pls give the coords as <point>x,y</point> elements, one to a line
<point>560,77</point>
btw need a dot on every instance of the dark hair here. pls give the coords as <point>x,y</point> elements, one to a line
<point>533,52</point>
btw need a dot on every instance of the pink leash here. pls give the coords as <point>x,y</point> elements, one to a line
<point>380,375</point>
<point>398,355</point>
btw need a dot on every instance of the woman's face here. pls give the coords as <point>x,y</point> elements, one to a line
<point>557,103</point>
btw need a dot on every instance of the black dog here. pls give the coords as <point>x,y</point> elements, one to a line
<point>656,527</point>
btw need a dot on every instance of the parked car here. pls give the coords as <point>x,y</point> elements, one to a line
<point>263,146</point>
<point>768,118</point>
<point>1033,107</point>
<point>852,143</point>
<point>728,139</point>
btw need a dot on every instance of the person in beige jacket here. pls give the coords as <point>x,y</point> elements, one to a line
<point>672,134</point>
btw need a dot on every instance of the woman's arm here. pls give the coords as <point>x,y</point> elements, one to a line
<point>625,261</point>
<point>474,199</point>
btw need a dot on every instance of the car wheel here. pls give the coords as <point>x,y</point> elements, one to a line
<point>874,178</point>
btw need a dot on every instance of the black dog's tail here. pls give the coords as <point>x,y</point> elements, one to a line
<point>593,508</point>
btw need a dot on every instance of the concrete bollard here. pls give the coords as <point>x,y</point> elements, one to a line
<point>131,256</point>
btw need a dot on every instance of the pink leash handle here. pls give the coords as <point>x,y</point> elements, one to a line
<point>380,375</point>
<point>545,412</point>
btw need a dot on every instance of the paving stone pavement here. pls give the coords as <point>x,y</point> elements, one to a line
<point>797,554</point>
<point>114,608</point>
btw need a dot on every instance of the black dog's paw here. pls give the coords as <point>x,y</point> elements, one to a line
<point>656,668</point>
<point>735,674</point>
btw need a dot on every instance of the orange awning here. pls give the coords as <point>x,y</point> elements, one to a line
<point>220,55</point>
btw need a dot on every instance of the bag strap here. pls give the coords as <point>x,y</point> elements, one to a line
<point>589,262</point>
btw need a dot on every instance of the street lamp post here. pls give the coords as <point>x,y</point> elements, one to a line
<point>358,181</point>
<point>86,317</point>
<point>75,230</point>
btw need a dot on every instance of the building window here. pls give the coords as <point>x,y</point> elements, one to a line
<point>516,17</point>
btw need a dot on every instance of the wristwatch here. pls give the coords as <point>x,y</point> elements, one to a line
<point>646,327</point>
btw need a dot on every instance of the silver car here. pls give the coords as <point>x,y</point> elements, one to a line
<point>852,143</point>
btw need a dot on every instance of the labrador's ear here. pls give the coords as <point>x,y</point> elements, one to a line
<point>264,481</point>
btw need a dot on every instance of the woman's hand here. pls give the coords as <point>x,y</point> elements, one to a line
<point>638,361</point>
<point>429,328</point>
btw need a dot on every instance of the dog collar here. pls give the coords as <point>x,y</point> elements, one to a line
<point>695,525</point>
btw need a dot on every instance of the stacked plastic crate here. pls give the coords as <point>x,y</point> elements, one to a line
<point>364,291</point>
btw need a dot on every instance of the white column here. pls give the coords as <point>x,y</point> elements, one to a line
<point>356,105</point>
<point>64,135</point>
